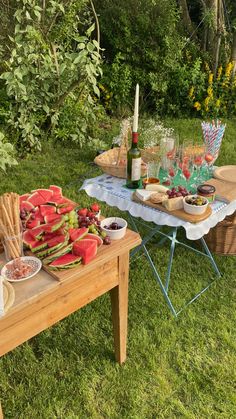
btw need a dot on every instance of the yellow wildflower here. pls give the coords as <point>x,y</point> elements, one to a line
<point>228,69</point>
<point>219,72</point>
<point>207,68</point>
<point>210,92</point>
<point>210,78</point>
<point>191,91</point>
<point>206,102</point>
<point>218,103</point>
<point>197,106</point>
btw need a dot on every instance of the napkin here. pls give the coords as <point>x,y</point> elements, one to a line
<point>1,298</point>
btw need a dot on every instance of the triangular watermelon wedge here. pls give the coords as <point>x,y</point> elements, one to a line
<point>62,251</point>
<point>65,262</point>
<point>85,248</point>
<point>77,233</point>
<point>47,209</point>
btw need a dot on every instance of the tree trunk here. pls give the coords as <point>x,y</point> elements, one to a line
<point>186,18</point>
<point>233,52</point>
<point>212,28</point>
<point>220,31</point>
<point>205,27</point>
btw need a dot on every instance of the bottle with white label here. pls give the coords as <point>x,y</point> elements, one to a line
<point>133,164</point>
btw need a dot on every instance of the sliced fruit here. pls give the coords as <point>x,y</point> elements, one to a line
<point>65,209</point>
<point>52,249</point>
<point>57,191</point>
<point>85,248</point>
<point>32,223</point>
<point>52,217</point>
<point>37,199</point>
<point>28,240</point>
<point>77,233</point>
<point>91,236</point>
<point>54,225</point>
<point>38,215</point>
<point>46,194</point>
<point>24,197</point>
<point>47,209</point>
<point>62,251</point>
<point>37,232</point>
<point>60,238</point>
<point>26,205</point>
<point>39,245</point>
<point>58,201</point>
<point>65,262</point>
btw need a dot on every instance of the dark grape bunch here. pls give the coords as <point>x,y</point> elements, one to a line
<point>26,215</point>
<point>113,226</point>
<point>94,225</point>
<point>176,192</point>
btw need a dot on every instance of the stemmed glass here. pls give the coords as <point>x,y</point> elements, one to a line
<point>209,159</point>
<point>198,160</point>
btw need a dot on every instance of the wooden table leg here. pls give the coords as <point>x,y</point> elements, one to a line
<point>119,302</point>
<point>1,414</point>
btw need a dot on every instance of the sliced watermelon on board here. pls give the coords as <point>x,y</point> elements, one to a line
<point>47,209</point>
<point>32,223</point>
<point>38,215</point>
<point>37,232</point>
<point>54,225</point>
<point>57,191</point>
<point>52,217</point>
<point>58,202</point>
<point>65,262</point>
<point>24,197</point>
<point>62,251</point>
<point>26,205</point>
<point>52,249</point>
<point>36,199</point>
<point>60,238</point>
<point>85,248</point>
<point>91,236</point>
<point>29,241</point>
<point>77,233</point>
<point>65,209</point>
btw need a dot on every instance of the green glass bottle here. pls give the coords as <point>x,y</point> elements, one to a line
<point>133,164</point>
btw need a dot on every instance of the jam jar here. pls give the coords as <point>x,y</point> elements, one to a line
<point>208,191</point>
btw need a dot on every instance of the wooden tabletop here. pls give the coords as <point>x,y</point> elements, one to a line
<point>42,300</point>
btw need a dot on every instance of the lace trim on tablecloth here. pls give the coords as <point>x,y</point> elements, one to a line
<point>113,191</point>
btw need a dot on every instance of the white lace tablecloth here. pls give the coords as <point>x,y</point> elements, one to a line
<point>113,191</point>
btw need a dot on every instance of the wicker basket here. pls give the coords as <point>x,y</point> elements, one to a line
<point>113,162</point>
<point>221,239</point>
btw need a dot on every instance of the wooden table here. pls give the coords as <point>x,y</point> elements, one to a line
<point>42,301</point>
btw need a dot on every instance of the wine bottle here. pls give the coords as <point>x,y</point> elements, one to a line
<point>133,164</point>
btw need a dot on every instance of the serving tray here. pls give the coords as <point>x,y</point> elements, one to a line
<point>176,213</point>
<point>226,173</point>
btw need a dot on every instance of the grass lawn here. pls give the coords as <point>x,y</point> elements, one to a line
<point>184,368</point>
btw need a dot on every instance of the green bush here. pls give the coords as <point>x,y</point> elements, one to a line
<point>53,57</point>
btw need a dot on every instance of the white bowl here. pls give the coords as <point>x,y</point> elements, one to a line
<point>114,234</point>
<point>195,209</point>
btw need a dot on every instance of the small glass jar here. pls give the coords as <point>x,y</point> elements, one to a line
<point>208,191</point>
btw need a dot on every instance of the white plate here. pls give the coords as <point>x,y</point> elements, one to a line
<point>30,260</point>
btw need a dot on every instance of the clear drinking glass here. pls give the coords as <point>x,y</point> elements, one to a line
<point>12,242</point>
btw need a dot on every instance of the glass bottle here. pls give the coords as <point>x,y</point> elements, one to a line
<point>133,164</point>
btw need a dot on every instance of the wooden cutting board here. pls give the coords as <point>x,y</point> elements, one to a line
<point>176,213</point>
<point>226,173</point>
<point>224,189</point>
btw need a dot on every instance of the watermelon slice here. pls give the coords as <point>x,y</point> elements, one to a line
<point>85,248</point>
<point>77,233</point>
<point>37,232</point>
<point>32,223</point>
<point>40,197</point>
<point>60,238</point>
<point>58,201</point>
<point>48,250</point>
<point>26,205</point>
<point>57,191</point>
<point>62,251</point>
<point>52,217</point>
<point>29,241</point>
<point>39,245</point>
<point>54,225</point>
<point>65,209</point>
<point>24,197</point>
<point>98,239</point>
<point>47,209</point>
<point>65,262</point>
<point>38,215</point>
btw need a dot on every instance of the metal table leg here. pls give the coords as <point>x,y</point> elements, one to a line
<point>172,236</point>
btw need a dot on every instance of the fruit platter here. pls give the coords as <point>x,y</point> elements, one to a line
<point>57,231</point>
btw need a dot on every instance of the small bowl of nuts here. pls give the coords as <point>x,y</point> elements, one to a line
<point>195,204</point>
<point>114,227</point>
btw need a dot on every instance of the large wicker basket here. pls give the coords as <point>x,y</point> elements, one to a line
<point>113,162</point>
<point>221,239</point>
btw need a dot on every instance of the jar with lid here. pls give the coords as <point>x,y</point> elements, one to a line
<point>208,191</point>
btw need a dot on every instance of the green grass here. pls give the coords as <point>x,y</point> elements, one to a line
<point>184,368</point>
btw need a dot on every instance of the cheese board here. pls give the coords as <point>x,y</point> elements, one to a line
<point>176,213</point>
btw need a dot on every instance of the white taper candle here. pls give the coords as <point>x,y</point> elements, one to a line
<point>136,106</point>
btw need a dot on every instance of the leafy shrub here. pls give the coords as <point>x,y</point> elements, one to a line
<point>217,96</point>
<point>7,153</point>
<point>53,57</point>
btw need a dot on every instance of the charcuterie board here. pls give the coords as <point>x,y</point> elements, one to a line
<point>176,213</point>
